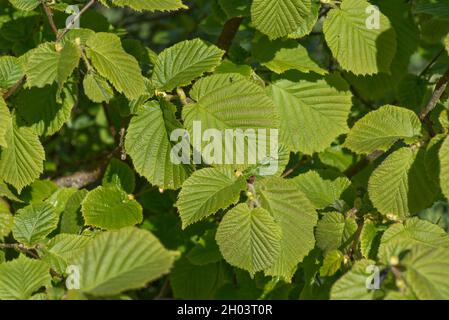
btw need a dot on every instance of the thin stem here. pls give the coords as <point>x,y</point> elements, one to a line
<point>75,19</point>
<point>436,96</point>
<point>49,15</point>
<point>432,62</point>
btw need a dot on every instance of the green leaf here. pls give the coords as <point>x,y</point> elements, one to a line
<point>282,55</point>
<point>7,193</point>
<point>115,261</point>
<point>443,157</point>
<point>230,101</point>
<point>5,119</point>
<point>279,18</point>
<point>309,22</point>
<point>34,222</point>
<point>321,192</point>
<point>427,272</point>
<point>120,174</point>
<point>380,129</point>
<point>10,72</point>
<point>96,88</point>
<point>352,285</point>
<point>20,278</point>
<point>357,48</point>
<point>413,231</point>
<point>436,8</point>
<point>71,217</point>
<point>25,5</point>
<point>148,143</point>
<point>51,62</point>
<point>206,191</point>
<point>332,263</point>
<point>6,219</point>
<point>113,63</point>
<point>62,249</point>
<point>369,239</point>
<point>236,8</point>
<point>313,114</point>
<point>297,219</point>
<point>110,208</point>
<point>446,43</point>
<point>40,109</point>
<point>148,5</point>
<point>334,231</point>
<point>22,161</point>
<point>180,64</point>
<point>399,186</point>
<point>249,238</point>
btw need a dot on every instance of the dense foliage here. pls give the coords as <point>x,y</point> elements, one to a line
<point>93,203</point>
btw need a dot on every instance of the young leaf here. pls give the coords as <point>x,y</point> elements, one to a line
<point>249,239</point>
<point>148,143</point>
<point>297,218</point>
<point>25,5</point>
<point>321,192</point>
<point>380,129</point>
<point>96,88</point>
<point>22,161</point>
<point>353,285</point>
<point>206,191</point>
<point>115,261</point>
<point>113,63</point>
<point>177,66</point>
<point>5,119</point>
<point>332,263</point>
<point>20,278</point>
<point>313,114</point>
<point>359,47</point>
<point>51,62</point>
<point>279,18</point>
<point>34,222</point>
<point>110,208</point>
<point>427,272</point>
<point>400,186</point>
<point>149,5</point>
<point>334,231</point>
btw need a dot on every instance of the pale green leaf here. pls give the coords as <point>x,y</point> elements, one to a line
<point>334,231</point>
<point>20,278</point>
<point>178,65</point>
<point>148,143</point>
<point>22,161</point>
<point>427,272</point>
<point>34,222</point>
<point>148,5</point>
<point>297,219</point>
<point>96,88</point>
<point>357,47</point>
<point>353,284</point>
<point>5,120</point>
<point>282,55</point>
<point>380,129</point>
<point>443,157</point>
<point>113,63</point>
<point>6,219</point>
<point>125,259</point>
<point>51,62</point>
<point>249,239</point>
<point>25,5</point>
<point>399,186</point>
<point>110,208</point>
<point>309,22</point>
<point>332,263</point>
<point>313,114</point>
<point>279,18</point>
<point>62,249</point>
<point>321,192</point>
<point>11,72</point>
<point>206,191</point>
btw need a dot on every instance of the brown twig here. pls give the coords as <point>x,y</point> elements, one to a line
<point>228,33</point>
<point>49,15</point>
<point>14,88</point>
<point>75,19</point>
<point>436,96</point>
